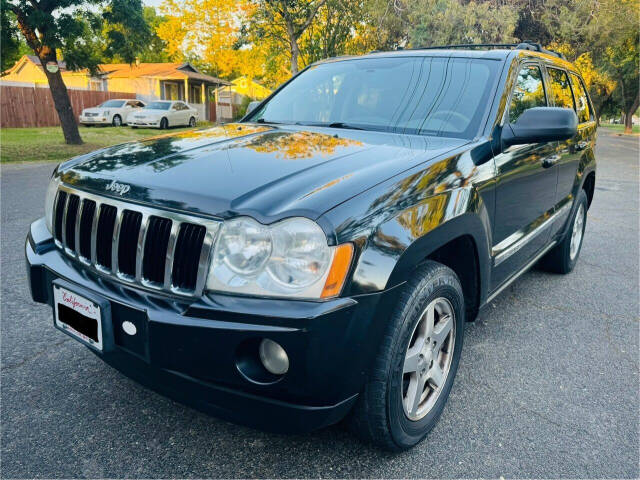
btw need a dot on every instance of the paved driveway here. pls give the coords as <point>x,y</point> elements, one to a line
<point>547,387</point>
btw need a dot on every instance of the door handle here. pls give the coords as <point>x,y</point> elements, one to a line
<point>582,145</point>
<point>550,161</point>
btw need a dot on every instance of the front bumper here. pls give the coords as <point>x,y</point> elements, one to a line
<point>144,123</point>
<point>191,350</point>
<point>100,120</point>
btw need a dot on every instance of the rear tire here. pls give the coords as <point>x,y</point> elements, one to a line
<point>563,257</point>
<point>404,395</point>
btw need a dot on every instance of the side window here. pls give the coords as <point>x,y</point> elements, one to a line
<point>561,88</point>
<point>528,92</point>
<point>582,103</point>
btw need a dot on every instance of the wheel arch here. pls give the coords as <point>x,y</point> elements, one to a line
<point>461,244</point>
<point>589,186</point>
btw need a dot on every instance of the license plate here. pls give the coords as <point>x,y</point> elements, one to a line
<point>78,316</point>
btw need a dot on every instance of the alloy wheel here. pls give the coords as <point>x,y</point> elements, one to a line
<point>428,358</point>
<point>577,232</point>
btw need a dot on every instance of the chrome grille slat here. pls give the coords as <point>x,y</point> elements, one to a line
<point>140,249</point>
<point>76,241</point>
<point>81,230</point>
<point>64,221</point>
<point>94,233</point>
<point>171,250</point>
<point>116,240</point>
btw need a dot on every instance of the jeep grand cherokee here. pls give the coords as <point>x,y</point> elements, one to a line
<point>318,259</point>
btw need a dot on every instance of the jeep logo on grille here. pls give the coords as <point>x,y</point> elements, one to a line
<point>119,188</point>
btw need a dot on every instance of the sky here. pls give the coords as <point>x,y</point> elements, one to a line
<point>153,3</point>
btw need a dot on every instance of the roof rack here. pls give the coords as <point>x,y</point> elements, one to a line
<point>526,45</point>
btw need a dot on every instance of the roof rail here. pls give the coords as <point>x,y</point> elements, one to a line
<point>526,45</point>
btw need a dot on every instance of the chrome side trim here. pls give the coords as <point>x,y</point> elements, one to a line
<point>520,272</point>
<point>516,246</point>
<point>212,226</point>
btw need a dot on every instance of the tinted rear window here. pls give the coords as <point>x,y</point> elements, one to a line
<point>582,103</point>
<point>561,88</point>
<point>418,95</point>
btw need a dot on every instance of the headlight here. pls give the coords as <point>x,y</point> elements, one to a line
<point>50,198</point>
<point>290,258</point>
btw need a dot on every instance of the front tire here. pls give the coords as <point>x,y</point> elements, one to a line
<point>564,256</point>
<point>410,382</point>
<point>192,122</point>
<point>164,124</point>
<point>116,121</point>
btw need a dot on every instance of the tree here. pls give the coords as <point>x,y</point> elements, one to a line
<point>286,21</point>
<point>333,30</point>
<point>446,22</point>
<point>203,31</point>
<point>13,47</point>
<point>72,27</point>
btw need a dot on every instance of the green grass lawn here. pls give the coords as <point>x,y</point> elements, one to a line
<point>47,143</point>
<point>619,128</point>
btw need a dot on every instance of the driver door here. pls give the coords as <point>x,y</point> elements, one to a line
<point>527,177</point>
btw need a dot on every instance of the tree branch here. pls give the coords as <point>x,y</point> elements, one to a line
<point>310,18</point>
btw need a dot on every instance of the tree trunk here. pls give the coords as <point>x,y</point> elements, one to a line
<point>61,101</point>
<point>628,115</point>
<point>56,85</point>
<point>295,53</point>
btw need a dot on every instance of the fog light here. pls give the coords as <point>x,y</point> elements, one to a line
<point>273,357</point>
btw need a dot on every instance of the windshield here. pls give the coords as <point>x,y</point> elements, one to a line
<point>158,106</point>
<point>418,95</point>
<point>112,103</point>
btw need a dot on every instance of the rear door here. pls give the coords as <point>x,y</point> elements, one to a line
<point>526,184</point>
<point>573,150</point>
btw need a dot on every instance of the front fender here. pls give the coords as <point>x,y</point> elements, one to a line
<point>396,246</point>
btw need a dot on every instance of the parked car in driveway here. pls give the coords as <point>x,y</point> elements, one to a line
<point>318,259</point>
<point>114,112</point>
<point>164,114</point>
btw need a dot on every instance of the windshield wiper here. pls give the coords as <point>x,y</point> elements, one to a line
<point>343,125</point>
<point>330,125</point>
<point>262,120</point>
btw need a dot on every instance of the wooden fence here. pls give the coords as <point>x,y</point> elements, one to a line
<point>33,107</point>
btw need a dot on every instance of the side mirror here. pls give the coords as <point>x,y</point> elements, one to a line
<point>541,124</point>
<point>252,106</point>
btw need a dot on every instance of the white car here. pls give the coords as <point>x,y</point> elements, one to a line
<point>164,114</point>
<point>112,112</point>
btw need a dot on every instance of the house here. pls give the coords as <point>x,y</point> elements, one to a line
<point>149,81</point>
<point>241,88</point>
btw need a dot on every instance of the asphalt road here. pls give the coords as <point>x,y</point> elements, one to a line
<point>547,387</point>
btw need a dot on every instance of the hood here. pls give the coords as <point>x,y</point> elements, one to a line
<point>95,110</point>
<point>264,171</point>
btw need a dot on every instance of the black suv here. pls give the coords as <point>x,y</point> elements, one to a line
<point>318,259</point>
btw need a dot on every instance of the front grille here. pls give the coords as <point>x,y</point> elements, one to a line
<point>187,256</point>
<point>86,227</point>
<point>104,235</point>
<point>155,247</point>
<point>138,245</point>
<point>128,242</point>
<point>70,221</point>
